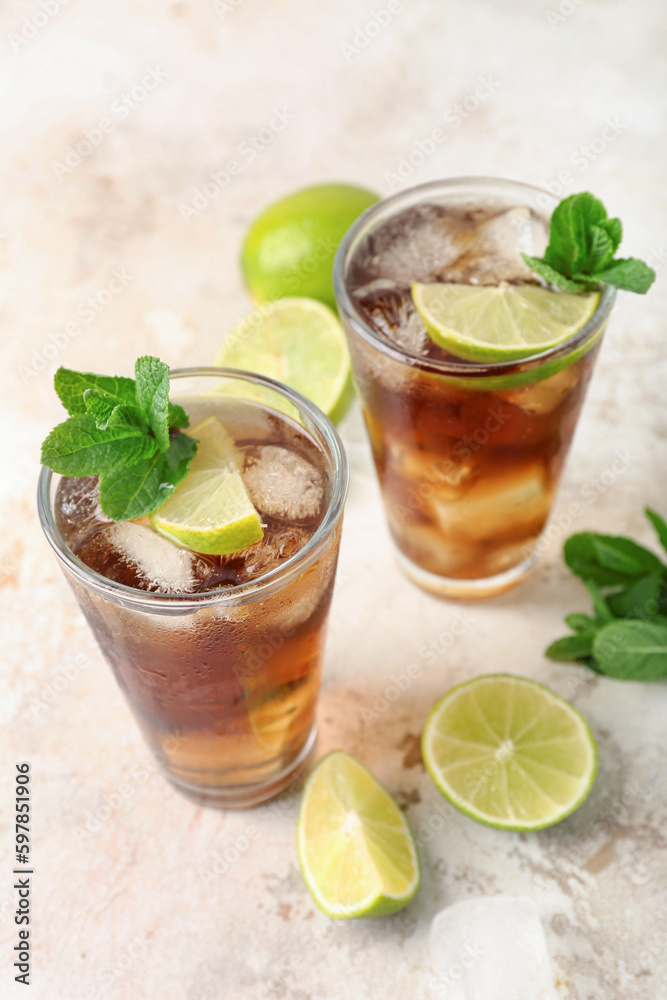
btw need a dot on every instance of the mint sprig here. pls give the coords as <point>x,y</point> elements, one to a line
<point>582,245</point>
<point>626,637</point>
<point>126,432</point>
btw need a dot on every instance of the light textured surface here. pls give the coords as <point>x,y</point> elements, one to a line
<point>125,903</point>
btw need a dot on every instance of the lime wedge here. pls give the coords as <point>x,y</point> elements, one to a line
<point>357,852</point>
<point>210,510</point>
<point>509,752</point>
<point>501,322</point>
<point>298,342</point>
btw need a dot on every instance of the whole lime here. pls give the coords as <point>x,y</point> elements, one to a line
<point>290,247</point>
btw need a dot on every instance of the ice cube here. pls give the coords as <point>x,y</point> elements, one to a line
<point>137,556</point>
<point>479,245</point>
<point>416,245</point>
<point>390,310</point>
<point>77,509</point>
<point>491,949</point>
<point>283,484</point>
<point>500,242</point>
<point>497,505</point>
<point>272,551</point>
<point>425,545</point>
<point>543,397</point>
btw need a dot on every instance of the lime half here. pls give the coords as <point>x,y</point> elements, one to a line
<point>210,511</point>
<point>299,342</point>
<point>357,852</point>
<point>502,322</point>
<point>509,752</point>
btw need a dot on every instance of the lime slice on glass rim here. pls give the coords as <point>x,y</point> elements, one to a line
<point>356,850</point>
<point>298,342</point>
<point>492,323</point>
<point>210,510</point>
<point>509,752</point>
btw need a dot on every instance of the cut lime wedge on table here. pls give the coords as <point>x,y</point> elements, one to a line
<point>500,323</point>
<point>356,849</point>
<point>509,752</point>
<point>299,342</point>
<point>210,510</point>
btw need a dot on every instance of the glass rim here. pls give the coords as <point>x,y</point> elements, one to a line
<point>414,195</point>
<point>242,593</point>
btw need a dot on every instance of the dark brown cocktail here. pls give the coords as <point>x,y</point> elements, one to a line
<point>219,656</point>
<point>468,455</point>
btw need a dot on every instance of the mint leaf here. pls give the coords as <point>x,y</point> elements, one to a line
<point>78,447</point>
<point>659,524</point>
<point>100,405</point>
<point>631,274</point>
<point>570,236</point>
<point>572,647</point>
<point>136,490</point>
<point>118,429</point>
<point>624,557</point>
<point>152,377</point>
<point>129,417</point>
<point>582,623</point>
<point>614,229</point>
<point>177,416</point>
<point>552,276</point>
<point>600,605</point>
<point>585,212</point>
<point>71,387</point>
<point>580,253</point>
<point>602,249</point>
<point>632,650</point>
<point>638,599</point>
<point>608,560</point>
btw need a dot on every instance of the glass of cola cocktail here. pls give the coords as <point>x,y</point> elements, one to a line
<point>219,656</point>
<point>468,455</point>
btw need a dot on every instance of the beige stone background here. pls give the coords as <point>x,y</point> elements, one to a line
<point>123,908</point>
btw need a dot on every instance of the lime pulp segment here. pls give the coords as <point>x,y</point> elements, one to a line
<point>210,511</point>
<point>357,852</point>
<point>502,322</point>
<point>298,342</point>
<point>509,752</point>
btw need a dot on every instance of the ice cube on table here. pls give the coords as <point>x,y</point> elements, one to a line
<point>491,949</point>
<point>137,556</point>
<point>283,484</point>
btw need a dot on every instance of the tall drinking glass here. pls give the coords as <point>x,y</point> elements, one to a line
<point>468,455</point>
<point>219,658</point>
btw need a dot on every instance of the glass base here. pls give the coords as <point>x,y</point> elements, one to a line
<point>467,590</point>
<point>251,794</point>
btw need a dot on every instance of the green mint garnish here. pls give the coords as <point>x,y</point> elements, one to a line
<point>134,490</point>
<point>124,431</point>
<point>582,245</point>
<point>626,637</point>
